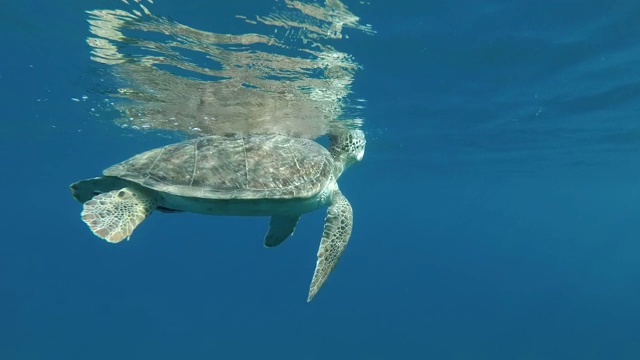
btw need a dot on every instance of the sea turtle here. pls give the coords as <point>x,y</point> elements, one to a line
<point>251,175</point>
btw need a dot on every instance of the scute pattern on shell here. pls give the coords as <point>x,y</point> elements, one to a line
<point>232,167</point>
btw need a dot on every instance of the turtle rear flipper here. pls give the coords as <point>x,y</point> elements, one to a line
<point>115,214</point>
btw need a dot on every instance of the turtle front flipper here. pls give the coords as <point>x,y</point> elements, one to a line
<point>337,230</point>
<point>280,228</point>
<point>115,214</point>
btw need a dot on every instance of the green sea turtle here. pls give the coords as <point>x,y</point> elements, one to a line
<point>254,175</point>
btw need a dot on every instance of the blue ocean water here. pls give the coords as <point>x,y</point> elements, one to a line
<point>495,210</point>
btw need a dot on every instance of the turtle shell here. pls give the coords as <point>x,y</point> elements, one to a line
<point>232,167</point>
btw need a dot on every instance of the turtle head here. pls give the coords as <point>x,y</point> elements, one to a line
<point>347,148</point>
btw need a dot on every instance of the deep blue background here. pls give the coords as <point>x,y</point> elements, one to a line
<point>496,210</point>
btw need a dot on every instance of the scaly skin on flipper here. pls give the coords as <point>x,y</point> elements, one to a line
<point>337,230</point>
<point>114,215</point>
